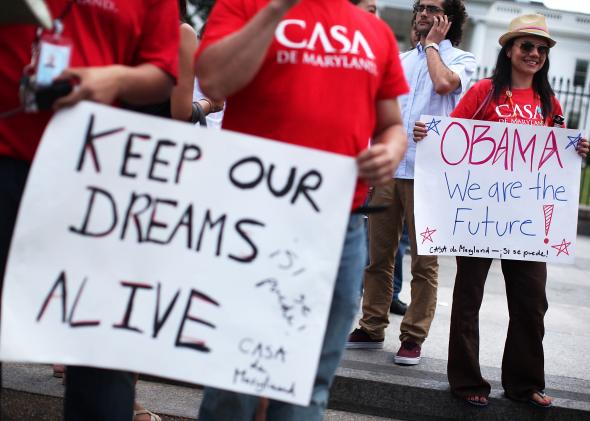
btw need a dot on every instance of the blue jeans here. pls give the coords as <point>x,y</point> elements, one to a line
<point>404,243</point>
<point>221,405</point>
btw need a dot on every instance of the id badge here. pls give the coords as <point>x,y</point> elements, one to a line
<point>54,57</point>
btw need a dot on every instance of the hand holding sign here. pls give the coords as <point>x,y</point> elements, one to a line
<point>420,131</point>
<point>583,147</point>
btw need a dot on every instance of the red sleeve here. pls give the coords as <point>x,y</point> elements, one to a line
<point>160,36</point>
<point>225,18</point>
<point>472,99</point>
<point>394,82</point>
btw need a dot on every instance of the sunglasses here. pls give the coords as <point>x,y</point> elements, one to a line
<point>430,9</point>
<point>528,47</point>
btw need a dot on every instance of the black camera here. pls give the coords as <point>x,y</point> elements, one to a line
<point>558,120</point>
<point>36,97</point>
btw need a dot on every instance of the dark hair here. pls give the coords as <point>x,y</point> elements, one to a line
<point>455,10</point>
<point>182,10</point>
<point>355,2</point>
<point>502,79</point>
<point>201,31</point>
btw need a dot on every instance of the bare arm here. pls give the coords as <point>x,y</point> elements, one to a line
<point>444,80</point>
<point>181,100</point>
<point>377,164</point>
<point>139,85</point>
<point>228,65</point>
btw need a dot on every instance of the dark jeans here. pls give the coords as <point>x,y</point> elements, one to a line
<point>94,394</point>
<point>523,360</point>
<point>13,175</point>
<point>91,394</point>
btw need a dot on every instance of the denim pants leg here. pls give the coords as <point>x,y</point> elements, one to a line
<point>13,175</point>
<point>94,394</point>
<point>221,405</point>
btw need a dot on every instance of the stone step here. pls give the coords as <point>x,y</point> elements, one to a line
<point>368,387</point>
<point>369,382</point>
<point>30,393</point>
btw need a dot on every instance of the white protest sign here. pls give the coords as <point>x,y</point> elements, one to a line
<point>497,190</point>
<point>155,246</point>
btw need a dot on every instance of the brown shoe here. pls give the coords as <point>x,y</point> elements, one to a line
<point>359,339</point>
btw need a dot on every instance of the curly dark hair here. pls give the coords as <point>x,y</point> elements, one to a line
<point>455,10</point>
<point>182,11</point>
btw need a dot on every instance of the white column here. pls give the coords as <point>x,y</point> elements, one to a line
<point>478,41</point>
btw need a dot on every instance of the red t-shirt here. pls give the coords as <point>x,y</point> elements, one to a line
<point>524,109</point>
<point>328,64</point>
<point>103,33</point>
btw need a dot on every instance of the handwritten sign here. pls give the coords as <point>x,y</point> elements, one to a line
<point>497,190</point>
<point>155,246</point>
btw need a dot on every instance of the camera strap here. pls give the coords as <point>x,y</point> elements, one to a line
<point>51,51</point>
<point>55,57</point>
<point>50,56</point>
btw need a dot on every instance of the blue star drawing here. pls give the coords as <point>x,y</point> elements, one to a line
<point>574,140</point>
<point>433,126</point>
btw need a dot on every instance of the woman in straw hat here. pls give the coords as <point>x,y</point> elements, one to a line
<point>518,92</point>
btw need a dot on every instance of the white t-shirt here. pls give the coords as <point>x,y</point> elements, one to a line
<point>213,119</point>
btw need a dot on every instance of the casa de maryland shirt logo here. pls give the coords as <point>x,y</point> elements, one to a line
<point>328,47</point>
<point>521,114</point>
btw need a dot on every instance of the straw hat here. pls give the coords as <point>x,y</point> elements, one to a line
<point>524,25</point>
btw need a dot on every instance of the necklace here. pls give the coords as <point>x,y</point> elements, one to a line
<point>511,102</point>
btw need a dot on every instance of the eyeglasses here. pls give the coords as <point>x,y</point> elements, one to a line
<point>528,47</point>
<point>430,9</point>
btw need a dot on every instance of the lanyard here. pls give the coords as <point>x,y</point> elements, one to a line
<point>57,31</point>
<point>57,24</point>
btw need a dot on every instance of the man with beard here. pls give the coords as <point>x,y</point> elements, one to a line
<point>438,73</point>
